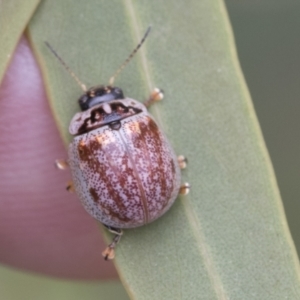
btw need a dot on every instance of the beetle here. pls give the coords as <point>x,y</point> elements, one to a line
<point>124,170</point>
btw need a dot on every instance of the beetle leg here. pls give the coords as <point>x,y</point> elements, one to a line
<point>113,229</point>
<point>185,189</point>
<point>182,161</point>
<point>70,187</point>
<point>61,164</point>
<point>156,95</point>
<point>109,252</point>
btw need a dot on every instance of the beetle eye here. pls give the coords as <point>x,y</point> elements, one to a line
<point>83,102</point>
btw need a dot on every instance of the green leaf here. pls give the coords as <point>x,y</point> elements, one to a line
<point>228,239</point>
<point>14,16</point>
<point>16,285</point>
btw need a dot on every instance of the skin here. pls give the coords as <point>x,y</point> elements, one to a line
<point>43,228</point>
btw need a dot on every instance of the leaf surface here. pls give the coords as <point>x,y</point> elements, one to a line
<point>14,16</point>
<point>228,239</point>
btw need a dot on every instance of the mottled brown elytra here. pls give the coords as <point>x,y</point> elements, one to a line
<point>124,170</point>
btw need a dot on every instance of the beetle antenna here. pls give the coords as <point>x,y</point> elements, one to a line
<point>112,79</point>
<point>79,82</point>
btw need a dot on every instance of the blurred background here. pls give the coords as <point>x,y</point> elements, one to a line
<point>267,35</point>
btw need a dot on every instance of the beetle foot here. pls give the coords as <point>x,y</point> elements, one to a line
<point>61,164</point>
<point>156,95</point>
<point>109,252</point>
<point>70,187</point>
<point>182,161</point>
<point>185,189</point>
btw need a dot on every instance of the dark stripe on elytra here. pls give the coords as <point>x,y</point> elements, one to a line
<point>141,141</point>
<point>150,136</point>
<point>87,152</point>
<point>157,139</point>
<point>161,143</point>
<point>112,191</point>
<point>94,195</point>
<point>116,215</point>
<point>123,177</point>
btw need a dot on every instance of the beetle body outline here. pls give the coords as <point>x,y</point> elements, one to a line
<point>125,171</point>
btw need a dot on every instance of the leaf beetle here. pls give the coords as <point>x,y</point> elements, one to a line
<point>124,170</point>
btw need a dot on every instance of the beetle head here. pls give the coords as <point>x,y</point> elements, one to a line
<point>99,94</point>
